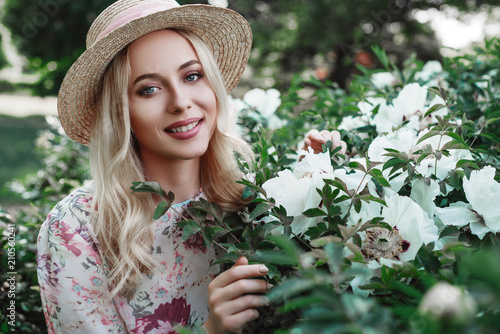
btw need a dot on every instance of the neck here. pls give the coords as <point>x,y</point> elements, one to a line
<point>182,177</point>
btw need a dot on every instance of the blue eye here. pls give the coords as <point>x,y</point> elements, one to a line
<point>148,90</point>
<point>193,77</point>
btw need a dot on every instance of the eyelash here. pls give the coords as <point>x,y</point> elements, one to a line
<point>143,91</point>
<point>197,74</point>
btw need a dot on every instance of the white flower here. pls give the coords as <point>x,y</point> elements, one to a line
<point>444,300</point>
<point>483,193</point>
<point>266,102</point>
<point>413,224</point>
<point>424,194</point>
<point>460,214</point>
<point>312,162</point>
<point>383,79</point>
<point>350,123</point>
<point>482,212</point>
<point>441,167</point>
<point>430,69</point>
<point>410,105</point>
<point>296,191</point>
<point>237,104</point>
<point>366,107</point>
<point>260,105</point>
<point>401,140</point>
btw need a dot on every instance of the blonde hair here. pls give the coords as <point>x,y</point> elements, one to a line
<point>122,221</point>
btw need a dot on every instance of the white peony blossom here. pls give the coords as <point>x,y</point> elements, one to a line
<point>430,70</point>
<point>482,212</point>
<point>383,79</point>
<point>483,193</point>
<point>296,191</point>
<point>412,223</point>
<point>444,300</point>
<point>402,140</point>
<point>410,105</point>
<point>266,102</point>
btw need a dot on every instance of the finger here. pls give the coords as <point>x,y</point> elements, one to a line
<point>307,143</point>
<point>314,135</point>
<point>243,303</point>
<point>234,322</point>
<point>325,135</point>
<point>242,260</point>
<point>335,135</point>
<point>344,147</point>
<point>239,288</point>
<point>236,273</point>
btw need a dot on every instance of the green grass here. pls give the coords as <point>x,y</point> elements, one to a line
<point>17,156</point>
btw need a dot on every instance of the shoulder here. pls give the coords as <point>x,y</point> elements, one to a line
<point>75,209</point>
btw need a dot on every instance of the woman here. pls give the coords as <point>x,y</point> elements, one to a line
<point>149,98</point>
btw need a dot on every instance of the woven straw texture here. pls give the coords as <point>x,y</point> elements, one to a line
<point>224,31</point>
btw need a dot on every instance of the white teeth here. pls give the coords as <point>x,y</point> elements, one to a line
<point>185,127</point>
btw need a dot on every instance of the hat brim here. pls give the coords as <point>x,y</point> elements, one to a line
<point>224,31</point>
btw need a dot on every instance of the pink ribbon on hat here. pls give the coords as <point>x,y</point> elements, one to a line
<point>135,12</point>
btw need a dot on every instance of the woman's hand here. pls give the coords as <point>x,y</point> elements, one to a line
<point>232,298</point>
<point>315,139</point>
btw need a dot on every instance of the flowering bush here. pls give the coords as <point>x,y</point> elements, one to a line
<point>400,235</point>
<point>397,236</point>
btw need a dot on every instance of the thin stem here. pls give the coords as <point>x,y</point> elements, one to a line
<point>352,197</point>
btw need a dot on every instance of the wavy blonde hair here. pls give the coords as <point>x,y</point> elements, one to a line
<point>123,220</point>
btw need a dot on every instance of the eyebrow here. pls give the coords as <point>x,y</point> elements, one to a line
<point>156,75</point>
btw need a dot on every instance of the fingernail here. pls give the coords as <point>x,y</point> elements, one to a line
<point>269,286</point>
<point>266,301</point>
<point>263,269</point>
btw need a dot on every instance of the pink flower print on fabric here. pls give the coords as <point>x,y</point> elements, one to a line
<point>67,236</point>
<point>174,313</point>
<point>196,244</point>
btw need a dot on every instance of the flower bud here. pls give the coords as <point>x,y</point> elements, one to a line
<point>446,301</point>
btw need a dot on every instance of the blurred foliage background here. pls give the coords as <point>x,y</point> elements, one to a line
<point>321,38</point>
<point>290,36</point>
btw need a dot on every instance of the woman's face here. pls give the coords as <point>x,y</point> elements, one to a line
<point>173,109</point>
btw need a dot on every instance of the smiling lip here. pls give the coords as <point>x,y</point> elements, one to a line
<point>184,129</point>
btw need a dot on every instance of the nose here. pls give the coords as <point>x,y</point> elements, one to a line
<point>178,100</point>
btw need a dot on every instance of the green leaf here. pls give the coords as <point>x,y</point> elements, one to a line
<point>369,198</point>
<point>147,187</point>
<point>274,257</point>
<point>161,209</point>
<point>210,208</point>
<point>372,286</point>
<point>455,145</point>
<point>382,57</point>
<point>287,245</point>
<point>259,210</point>
<point>490,136</point>
<point>301,302</point>
<point>434,108</point>
<point>386,274</point>
<point>406,289</point>
<point>334,252</point>
<point>467,163</point>
<point>379,177</point>
<point>247,193</point>
<point>356,165</point>
<point>429,134</point>
<point>190,228</point>
<point>321,242</point>
<point>314,212</point>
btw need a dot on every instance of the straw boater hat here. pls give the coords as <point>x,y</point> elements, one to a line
<point>224,31</point>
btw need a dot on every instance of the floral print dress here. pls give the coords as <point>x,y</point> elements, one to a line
<point>75,288</point>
